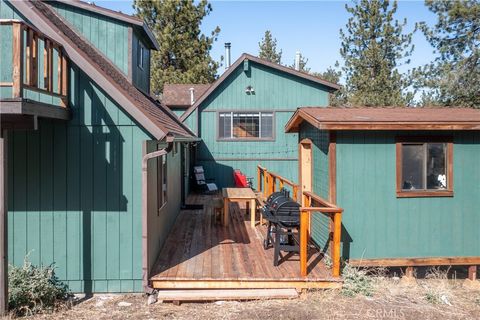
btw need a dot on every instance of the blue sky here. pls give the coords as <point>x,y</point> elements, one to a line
<point>311,27</point>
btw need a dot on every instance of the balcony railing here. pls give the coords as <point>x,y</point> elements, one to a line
<point>312,204</point>
<point>33,51</point>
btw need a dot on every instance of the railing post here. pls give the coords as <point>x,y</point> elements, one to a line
<point>337,235</point>
<point>259,178</point>
<point>274,183</point>
<point>295,192</point>
<point>17,77</point>
<point>265,183</point>
<point>303,242</point>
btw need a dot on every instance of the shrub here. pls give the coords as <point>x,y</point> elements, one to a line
<point>356,281</point>
<point>35,289</point>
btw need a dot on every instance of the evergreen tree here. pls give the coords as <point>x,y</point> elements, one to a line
<point>268,48</point>
<point>454,77</point>
<point>333,75</point>
<point>184,55</point>
<point>373,46</point>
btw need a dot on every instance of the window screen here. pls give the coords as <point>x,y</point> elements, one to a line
<point>245,125</point>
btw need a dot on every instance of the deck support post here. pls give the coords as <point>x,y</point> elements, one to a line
<point>337,236</point>
<point>409,272</point>
<point>303,242</point>
<point>3,224</point>
<point>472,273</point>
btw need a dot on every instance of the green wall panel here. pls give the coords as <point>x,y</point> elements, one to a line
<point>379,225</point>
<point>320,182</point>
<point>140,76</point>
<point>108,35</point>
<point>274,91</point>
<point>75,193</point>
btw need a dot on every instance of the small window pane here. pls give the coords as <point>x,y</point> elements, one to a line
<point>413,159</point>
<point>267,125</point>
<point>246,125</point>
<point>436,166</point>
<point>224,125</point>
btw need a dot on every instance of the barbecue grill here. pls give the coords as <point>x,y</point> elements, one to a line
<point>283,216</point>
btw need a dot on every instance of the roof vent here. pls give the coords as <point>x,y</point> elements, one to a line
<point>192,96</point>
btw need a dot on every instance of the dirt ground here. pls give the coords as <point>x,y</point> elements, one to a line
<point>391,299</point>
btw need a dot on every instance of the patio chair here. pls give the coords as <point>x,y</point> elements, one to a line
<point>202,184</point>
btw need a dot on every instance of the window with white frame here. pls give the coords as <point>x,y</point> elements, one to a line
<point>245,125</point>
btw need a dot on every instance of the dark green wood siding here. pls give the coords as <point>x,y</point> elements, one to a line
<point>75,193</point>
<point>274,91</point>
<point>108,35</point>
<point>379,225</point>
<point>140,76</point>
<point>320,178</point>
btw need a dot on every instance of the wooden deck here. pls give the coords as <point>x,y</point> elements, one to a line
<point>200,253</point>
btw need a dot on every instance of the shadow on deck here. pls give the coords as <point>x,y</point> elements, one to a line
<point>200,253</point>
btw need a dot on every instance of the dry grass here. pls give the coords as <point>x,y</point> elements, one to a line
<point>391,298</point>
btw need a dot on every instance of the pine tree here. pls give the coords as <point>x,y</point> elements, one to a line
<point>268,48</point>
<point>333,75</point>
<point>454,77</point>
<point>184,55</point>
<point>373,46</point>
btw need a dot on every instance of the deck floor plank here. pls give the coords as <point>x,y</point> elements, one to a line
<point>201,249</point>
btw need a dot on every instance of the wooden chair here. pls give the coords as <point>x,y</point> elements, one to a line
<point>217,208</point>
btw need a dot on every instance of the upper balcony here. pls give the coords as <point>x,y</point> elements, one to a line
<point>33,75</point>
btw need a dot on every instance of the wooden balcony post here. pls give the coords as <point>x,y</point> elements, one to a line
<point>295,192</point>
<point>303,242</point>
<point>281,185</point>
<point>337,232</point>
<point>17,77</point>
<point>274,184</point>
<point>64,79</point>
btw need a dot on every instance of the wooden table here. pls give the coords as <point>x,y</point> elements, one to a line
<point>239,194</point>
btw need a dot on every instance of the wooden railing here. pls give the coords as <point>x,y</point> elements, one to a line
<point>312,203</point>
<point>269,182</point>
<point>316,204</point>
<point>26,56</point>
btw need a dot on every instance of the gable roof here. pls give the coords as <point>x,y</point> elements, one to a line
<point>158,120</point>
<point>178,95</point>
<point>245,56</point>
<point>135,21</point>
<point>386,118</point>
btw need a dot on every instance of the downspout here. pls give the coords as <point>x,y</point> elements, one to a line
<point>145,259</point>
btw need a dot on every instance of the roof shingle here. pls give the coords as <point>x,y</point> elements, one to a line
<point>386,118</point>
<point>178,95</point>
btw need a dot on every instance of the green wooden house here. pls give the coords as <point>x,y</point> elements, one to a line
<point>93,166</point>
<point>408,180</point>
<point>241,116</point>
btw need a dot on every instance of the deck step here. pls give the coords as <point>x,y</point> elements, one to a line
<point>235,294</point>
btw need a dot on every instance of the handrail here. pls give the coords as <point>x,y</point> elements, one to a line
<point>268,184</point>
<point>320,200</point>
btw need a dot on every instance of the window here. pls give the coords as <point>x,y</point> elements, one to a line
<point>424,168</point>
<point>161,182</point>
<point>140,55</point>
<point>245,125</point>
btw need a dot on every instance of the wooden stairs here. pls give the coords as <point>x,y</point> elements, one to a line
<point>221,295</point>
